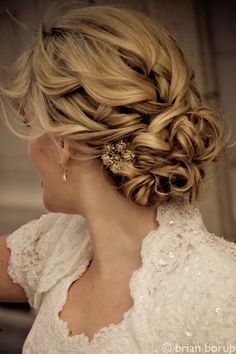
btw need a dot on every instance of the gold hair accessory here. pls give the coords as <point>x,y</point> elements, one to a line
<point>64,176</point>
<point>116,153</point>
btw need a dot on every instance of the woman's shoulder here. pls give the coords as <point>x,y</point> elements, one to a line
<point>36,228</point>
<point>195,276</point>
<point>187,232</point>
<point>43,229</point>
<point>213,256</point>
<point>190,274</point>
<point>36,238</point>
<point>207,260</point>
<point>186,239</point>
<point>42,251</point>
<point>209,283</point>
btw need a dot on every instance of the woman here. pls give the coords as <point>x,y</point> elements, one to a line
<point>122,263</point>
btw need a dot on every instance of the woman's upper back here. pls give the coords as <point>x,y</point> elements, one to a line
<point>184,291</point>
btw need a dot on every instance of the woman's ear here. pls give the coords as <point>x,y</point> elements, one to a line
<point>65,152</point>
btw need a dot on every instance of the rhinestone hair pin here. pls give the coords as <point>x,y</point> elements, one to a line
<point>116,153</point>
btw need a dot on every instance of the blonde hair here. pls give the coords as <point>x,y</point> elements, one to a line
<point>99,74</point>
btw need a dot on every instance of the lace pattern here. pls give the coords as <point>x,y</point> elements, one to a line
<point>27,254</point>
<point>184,293</point>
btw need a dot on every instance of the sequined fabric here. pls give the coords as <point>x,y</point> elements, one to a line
<point>184,293</point>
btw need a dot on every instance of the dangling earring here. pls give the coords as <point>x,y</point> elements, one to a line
<point>64,176</point>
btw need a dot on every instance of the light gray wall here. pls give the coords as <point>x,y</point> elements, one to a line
<point>223,40</point>
<point>20,192</point>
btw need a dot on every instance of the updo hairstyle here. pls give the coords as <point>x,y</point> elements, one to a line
<point>98,74</point>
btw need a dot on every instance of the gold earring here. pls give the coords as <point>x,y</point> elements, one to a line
<point>64,176</point>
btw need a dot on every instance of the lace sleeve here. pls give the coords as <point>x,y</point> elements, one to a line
<point>28,250</point>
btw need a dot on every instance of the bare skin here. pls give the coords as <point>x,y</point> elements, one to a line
<point>117,227</point>
<point>92,305</point>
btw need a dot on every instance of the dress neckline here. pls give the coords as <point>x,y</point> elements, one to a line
<point>62,328</point>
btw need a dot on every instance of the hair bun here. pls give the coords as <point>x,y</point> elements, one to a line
<point>103,73</point>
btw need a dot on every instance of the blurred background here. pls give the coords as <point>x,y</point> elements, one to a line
<point>206,31</point>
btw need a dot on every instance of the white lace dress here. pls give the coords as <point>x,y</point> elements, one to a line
<point>184,293</point>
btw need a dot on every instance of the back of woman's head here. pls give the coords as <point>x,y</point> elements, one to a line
<point>100,74</point>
